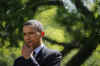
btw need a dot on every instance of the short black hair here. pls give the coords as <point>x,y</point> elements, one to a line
<point>36,24</point>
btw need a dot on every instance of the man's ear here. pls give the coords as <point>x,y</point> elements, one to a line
<point>42,34</point>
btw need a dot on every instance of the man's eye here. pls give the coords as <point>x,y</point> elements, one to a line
<point>24,34</point>
<point>32,33</point>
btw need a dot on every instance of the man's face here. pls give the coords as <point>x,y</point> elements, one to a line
<point>32,37</point>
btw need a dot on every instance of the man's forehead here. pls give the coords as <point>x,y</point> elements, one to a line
<point>29,27</point>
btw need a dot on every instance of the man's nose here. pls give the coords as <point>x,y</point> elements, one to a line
<point>27,37</point>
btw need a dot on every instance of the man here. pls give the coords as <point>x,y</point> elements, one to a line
<point>34,52</point>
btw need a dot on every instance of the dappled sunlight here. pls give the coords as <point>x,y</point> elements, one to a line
<point>53,46</point>
<point>53,29</point>
<point>46,16</point>
<point>71,27</point>
<point>94,58</point>
<point>69,56</point>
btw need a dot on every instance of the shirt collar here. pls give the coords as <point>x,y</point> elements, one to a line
<point>38,49</point>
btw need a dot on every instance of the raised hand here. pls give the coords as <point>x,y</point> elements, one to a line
<point>26,51</point>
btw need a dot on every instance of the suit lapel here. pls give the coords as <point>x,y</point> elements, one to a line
<point>40,56</point>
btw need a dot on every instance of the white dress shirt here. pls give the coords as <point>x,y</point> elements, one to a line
<point>36,50</point>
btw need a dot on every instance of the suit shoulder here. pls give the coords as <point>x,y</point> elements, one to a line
<point>52,52</point>
<point>52,56</point>
<point>19,59</point>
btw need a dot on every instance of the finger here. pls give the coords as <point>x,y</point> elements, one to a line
<point>23,49</point>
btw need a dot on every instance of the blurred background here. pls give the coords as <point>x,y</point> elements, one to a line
<point>71,27</point>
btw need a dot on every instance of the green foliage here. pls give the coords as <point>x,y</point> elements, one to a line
<point>94,60</point>
<point>53,29</point>
<point>8,55</point>
<point>62,26</point>
<point>67,57</point>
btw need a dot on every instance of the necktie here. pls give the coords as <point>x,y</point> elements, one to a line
<point>34,54</point>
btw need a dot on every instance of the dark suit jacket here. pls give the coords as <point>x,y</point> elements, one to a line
<point>46,57</point>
